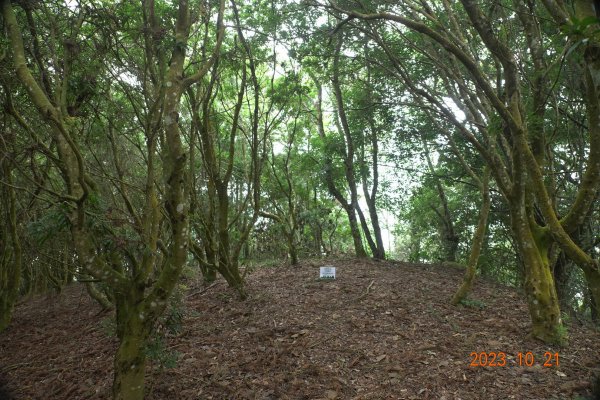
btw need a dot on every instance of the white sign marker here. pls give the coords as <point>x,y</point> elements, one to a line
<point>327,272</point>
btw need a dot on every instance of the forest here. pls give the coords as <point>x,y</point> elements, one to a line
<point>175,174</point>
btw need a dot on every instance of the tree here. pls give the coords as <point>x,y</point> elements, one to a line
<point>351,205</point>
<point>506,118</point>
<point>233,146</point>
<point>284,178</point>
<point>448,235</point>
<point>141,268</point>
<point>10,243</point>
<point>350,134</point>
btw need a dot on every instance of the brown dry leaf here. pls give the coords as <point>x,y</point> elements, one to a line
<point>70,358</point>
<point>572,386</point>
<point>342,381</point>
<point>495,345</point>
<point>354,361</point>
<point>381,358</point>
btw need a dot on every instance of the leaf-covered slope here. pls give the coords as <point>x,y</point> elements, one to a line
<point>381,330</point>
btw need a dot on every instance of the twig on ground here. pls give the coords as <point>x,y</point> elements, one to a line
<point>199,292</point>
<point>14,366</point>
<point>362,296</point>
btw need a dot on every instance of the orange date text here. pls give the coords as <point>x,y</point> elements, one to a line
<point>522,359</point>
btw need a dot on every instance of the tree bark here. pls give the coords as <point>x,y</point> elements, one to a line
<point>133,328</point>
<point>534,246</point>
<point>477,241</point>
<point>10,244</point>
<point>349,207</point>
<point>348,158</point>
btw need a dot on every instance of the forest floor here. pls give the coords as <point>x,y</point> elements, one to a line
<point>381,330</point>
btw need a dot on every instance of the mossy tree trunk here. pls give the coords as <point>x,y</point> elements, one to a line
<point>100,298</point>
<point>534,246</point>
<point>289,226</point>
<point>10,244</point>
<point>561,271</point>
<point>133,329</point>
<point>215,227</point>
<point>228,264</point>
<point>205,260</point>
<point>286,216</point>
<point>139,304</point>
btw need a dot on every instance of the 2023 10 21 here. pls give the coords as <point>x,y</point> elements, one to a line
<point>521,359</point>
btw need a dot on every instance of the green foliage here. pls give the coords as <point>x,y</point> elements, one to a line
<point>169,324</point>
<point>171,321</point>
<point>565,317</point>
<point>563,333</point>
<point>225,297</point>
<point>49,224</point>
<point>108,326</point>
<point>262,262</point>
<point>579,27</point>
<point>473,303</point>
<point>157,351</point>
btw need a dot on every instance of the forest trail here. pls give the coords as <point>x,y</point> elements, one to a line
<point>381,330</point>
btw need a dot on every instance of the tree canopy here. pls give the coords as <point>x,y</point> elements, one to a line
<point>142,139</point>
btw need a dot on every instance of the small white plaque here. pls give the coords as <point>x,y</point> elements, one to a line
<point>327,272</point>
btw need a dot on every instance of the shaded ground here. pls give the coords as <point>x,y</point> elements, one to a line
<point>379,331</point>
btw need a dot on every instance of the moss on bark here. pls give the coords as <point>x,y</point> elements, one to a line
<point>540,291</point>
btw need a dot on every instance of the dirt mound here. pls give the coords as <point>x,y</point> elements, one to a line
<point>381,330</point>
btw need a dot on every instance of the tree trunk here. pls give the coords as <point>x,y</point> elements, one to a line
<point>359,249</point>
<point>593,280</point>
<point>593,308</point>
<point>334,191</point>
<point>205,262</point>
<point>98,296</point>
<point>371,198</point>
<point>561,272</point>
<point>367,232</point>
<point>231,272</point>
<point>130,359</point>
<point>478,239</point>
<point>450,244</point>
<point>130,366</point>
<point>380,249</point>
<point>10,249</point>
<point>542,300</point>
<point>414,249</point>
<point>293,252</point>
<point>228,264</point>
